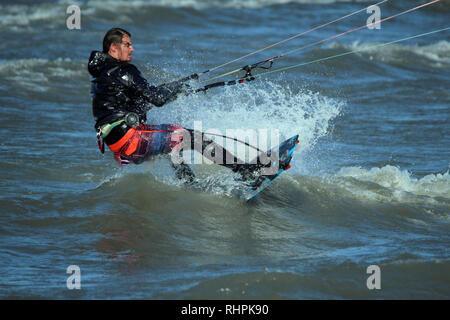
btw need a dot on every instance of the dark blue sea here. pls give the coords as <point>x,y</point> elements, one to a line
<point>369,183</point>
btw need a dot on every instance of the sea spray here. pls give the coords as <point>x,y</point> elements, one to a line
<point>267,105</point>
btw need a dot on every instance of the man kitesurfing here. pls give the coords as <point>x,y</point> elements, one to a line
<point>121,96</point>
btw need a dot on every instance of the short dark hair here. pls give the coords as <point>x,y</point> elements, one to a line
<point>113,35</point>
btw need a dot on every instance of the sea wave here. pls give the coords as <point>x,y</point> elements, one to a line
<point>388,185</point>
<point>393,183</point>
<point>202,4</point>
<point>57,67</point>
<point>279,283</point>
<point>48,14</point>
<point>436,55</point>
<point>39,74</point>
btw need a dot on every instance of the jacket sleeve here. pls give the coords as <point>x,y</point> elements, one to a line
<point>156,95</point>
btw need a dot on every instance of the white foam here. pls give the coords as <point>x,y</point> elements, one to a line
<point>438,53</point>
<point>401,183</point>
<point>257,106</point>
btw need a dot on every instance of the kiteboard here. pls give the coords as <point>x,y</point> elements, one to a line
<point>285,152</point>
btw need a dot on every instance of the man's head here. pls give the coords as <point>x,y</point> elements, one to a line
<point>117,43</point>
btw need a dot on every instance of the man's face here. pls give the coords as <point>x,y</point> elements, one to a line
<point>122,51</point>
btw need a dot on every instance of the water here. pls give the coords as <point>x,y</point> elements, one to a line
<point>369,185</point>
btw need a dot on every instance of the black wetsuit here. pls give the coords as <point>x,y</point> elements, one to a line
<point>118,88</point>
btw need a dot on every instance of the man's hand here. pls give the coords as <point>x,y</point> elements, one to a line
<point>187,89</point>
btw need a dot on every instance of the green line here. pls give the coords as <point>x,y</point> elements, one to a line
<point>350,52</point>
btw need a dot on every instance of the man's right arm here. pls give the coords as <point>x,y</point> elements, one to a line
<point>157,96</point>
